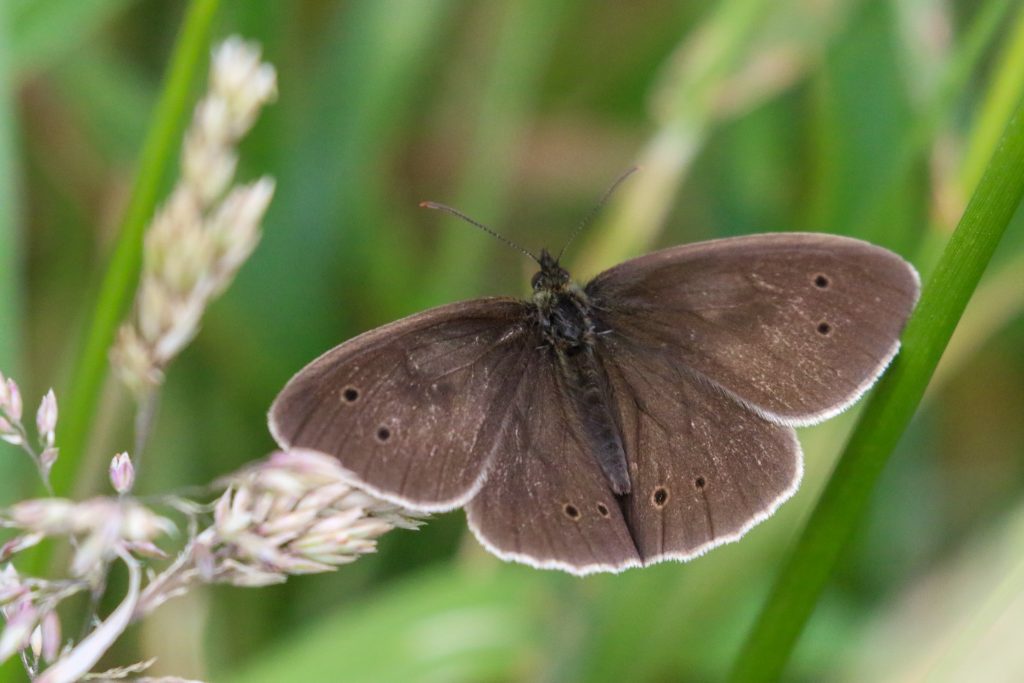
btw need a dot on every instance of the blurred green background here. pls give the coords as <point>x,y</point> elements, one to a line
<point>871,118</point>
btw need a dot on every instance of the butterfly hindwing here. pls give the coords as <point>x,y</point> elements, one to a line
<point>704,468</point>
<point>546,501</point>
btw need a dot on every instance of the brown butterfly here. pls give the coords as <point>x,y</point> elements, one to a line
<point>643,417</point>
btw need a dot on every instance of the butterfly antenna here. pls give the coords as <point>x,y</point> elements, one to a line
<point>593,212</point>
<point>459,214</point>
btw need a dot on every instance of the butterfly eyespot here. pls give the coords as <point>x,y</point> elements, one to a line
<point>699,482</point>
<point>602,509</point>
<point>660,496</point>
<point>350,394</point>
<point>824,329</point>
<point>571,511</point>
<point>383,434</point>
<point>821,281</point>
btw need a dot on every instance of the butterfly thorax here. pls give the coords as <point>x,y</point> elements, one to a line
<point>562,307</point>
<point>569,330</point>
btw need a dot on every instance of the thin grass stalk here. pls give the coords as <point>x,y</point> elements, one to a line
<point>885,417</point>
<point>119,281</point>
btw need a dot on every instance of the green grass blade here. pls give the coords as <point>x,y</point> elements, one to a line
<point>118,286</point>
<point>890,409</point>
<point>10,248</point>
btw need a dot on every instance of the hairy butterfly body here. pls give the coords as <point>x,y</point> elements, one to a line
<point>646,416</point>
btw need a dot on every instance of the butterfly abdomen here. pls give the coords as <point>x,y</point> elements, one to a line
<point>585,382</point>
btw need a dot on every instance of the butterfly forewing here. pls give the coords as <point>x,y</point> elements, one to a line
<point>795,326</point>
<point>413,409</point>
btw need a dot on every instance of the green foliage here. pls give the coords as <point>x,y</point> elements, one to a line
<point>846,116</point>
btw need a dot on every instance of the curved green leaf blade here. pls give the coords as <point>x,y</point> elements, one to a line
<point>890,409</point>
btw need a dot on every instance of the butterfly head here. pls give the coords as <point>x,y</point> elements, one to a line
<point>551,277</point>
